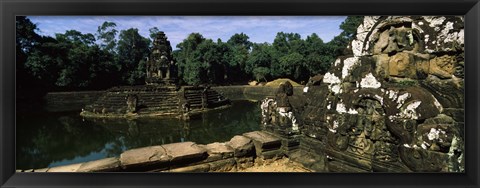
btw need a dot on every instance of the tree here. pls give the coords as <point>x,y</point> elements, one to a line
<point>260,61</point>
<point>153,32</point>
<point>189,59</point>
<point>26,40</point>
<point>107,33</point>
<point>132,49</point>
<point>237,55</point>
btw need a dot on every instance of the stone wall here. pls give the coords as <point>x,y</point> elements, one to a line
<point>75,101</point>
<point>395,104</point>
<point>70,101</point>
<point>249,92</point>
<point>241,152</point>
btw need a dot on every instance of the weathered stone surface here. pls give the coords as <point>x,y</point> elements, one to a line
<point>224,165</point>
<point>143,157</point>
<point>457,114</point>
<point>273,154</point>
<point>383,108</point>
<point>264,141</point>
<point>402,65</point>
<point>66,168</point>
<point>222,149</point>
<point>244,162</point>
<point>449,93</point>
<point>242,146</point>
<point>103,165</point>
<point>443,66</point>
<point>185,151</point>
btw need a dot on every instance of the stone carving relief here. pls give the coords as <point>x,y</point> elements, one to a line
<point>394,104</point>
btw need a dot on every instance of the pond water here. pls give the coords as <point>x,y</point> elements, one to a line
<point>46,139</point>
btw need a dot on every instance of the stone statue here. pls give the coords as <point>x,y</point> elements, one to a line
<point>132,101</point>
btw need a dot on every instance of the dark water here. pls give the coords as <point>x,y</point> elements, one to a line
<point>53,139</point>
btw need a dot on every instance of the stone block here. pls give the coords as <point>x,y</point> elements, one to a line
<point>144,157</point>
<point>66,168</point>
<point>274,154</point>
<point>402,65</point>
<point>222,165</point>
<point>244,162</point>
<point>242,146</point>
<point>185,152</point>
<point>222,149</point>
<point>264,141</point>
<point>103,165</point>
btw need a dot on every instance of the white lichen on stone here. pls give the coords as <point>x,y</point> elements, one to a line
<point>455,161</point>
<point>357,48</point>
<point>284,113</point>
<point>347,66</point>
<point>341,108</point>
<point>333,82</point>
<point>392,94</point>
<point>434,20</point>
<point>334,127</point>
<point>425,145</point>
<point>369,81</point>
<point>426,38</point>
<point>391,118</point>
<point>265,104</point>
<point>337,61</point>
<point>330,78</point>
<point>352,111</point>
<point>401,99</point>
<point>379,98</point>
<point>434,134</point>
<point>305,89</point>
<point>461,37</point>
<point>335,88</point>
<point>437,104</point>
<point>409,112</point>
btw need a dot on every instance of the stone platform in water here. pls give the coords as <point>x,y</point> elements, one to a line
<point>155,101</point>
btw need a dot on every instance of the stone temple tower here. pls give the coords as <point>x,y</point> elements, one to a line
<point>161,69</point>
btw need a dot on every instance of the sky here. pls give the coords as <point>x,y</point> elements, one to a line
<point>260,29</point>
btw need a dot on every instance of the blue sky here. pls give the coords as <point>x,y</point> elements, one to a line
<point>259,28</point>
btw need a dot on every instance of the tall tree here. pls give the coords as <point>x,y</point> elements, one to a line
<point>107,33</point>
<point>190,64</point>
<point>236,57</point>
<point>132,52</point>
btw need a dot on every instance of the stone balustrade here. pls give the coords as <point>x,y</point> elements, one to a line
<point>241,152</point>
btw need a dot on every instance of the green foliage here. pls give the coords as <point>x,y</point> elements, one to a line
<point>406,83</point>
<point>77,61</point>
<point>132,48</point>
<point>106,33</point>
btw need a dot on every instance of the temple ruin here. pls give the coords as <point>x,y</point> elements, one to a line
<point>161,96</point>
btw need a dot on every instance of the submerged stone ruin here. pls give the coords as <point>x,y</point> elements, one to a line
<point>396,104</point>
<point>160,97</point>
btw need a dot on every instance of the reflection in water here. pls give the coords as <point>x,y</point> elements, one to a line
<point>53,139</point>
